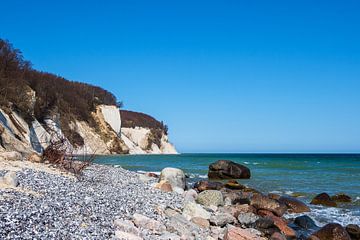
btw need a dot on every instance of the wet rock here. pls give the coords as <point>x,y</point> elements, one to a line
<point>323,199</point>
<point>174,176</point>
<point>260,201</point>
<point>235,233</point>
<point>235,210</point>
<point>341,198</point>
<point>274,196</point>
<point>210,197</point>
<point>331,231</point>
<point>264,223</point>
<point>148,223</point>
<point>237,197</point>
<point>224,169</point>
<point>305,222</point>
<point>201,222</point>
<point>279,222</point>
<point>221,219</point>
<point>294,205</point>
<point>206,185</point>
<point>354,231</point>
<point>192,209</point>
<point>233,184</point>
<point>247,219</point>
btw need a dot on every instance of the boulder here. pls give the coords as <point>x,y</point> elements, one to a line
<point>164,186</point>
<point>279,222</point>
<point>331,231</point>
<point>34,157</point>
<point>264,223</point>
<point>206,185</point>
<point>237,209</point>
<point>169,236</point>
<point>305,222</point>
<point>224,169</point>
<point>181,225</point>
<point>294,205</point>
<point>201,222</point>
<point>248,218</point>
<point>323,199</point>
<point>341,198</point>
<point>260,201</point>
<point>210,197</point>
<point>11,156</point>
<point>190,195</point>
<point>237,197</point>
<point>277,236</point>
<point>148,223</point>
<point>235,233</point>
<point>174,176</point>
<point>192,209</point>
<point>354,231</point>
<point>221,219</point>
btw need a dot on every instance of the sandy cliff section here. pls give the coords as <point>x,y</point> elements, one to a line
<point>137,139</point>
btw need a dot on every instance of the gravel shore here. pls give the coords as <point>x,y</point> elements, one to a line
<point>60,207</point>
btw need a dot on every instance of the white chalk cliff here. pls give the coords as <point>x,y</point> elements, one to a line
<point>107,138</point>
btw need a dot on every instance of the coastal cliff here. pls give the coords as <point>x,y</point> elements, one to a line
<point>37,108</point>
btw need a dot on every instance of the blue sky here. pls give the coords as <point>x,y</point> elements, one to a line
<point>226,76</point>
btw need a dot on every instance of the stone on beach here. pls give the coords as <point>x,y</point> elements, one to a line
<point>341,198</point>
<point>260,201</point>
<point>221,219</point>
<point>225,169</point>
<point>34,157</point>
<point>294,205</point>
<point>11,156</point>
<point>121,235</point>
<point>164,186</point>
<point>10,179</point>
<point>192,209</point>
<point>148,223</point>
<point>210,197</point>
<point>247,218</point>
<point>235,233</point>
<point>126,226</point>
<point>174,176</point>
<point>331,231</point>
<point>306,222</point>
<point>323,199</point>
<point>206,185</point>
<point>354,231</point>
<point>201,222</point>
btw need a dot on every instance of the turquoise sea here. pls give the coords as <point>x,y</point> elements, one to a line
<point>304,175</point>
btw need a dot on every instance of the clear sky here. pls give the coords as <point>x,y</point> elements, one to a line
<point>226,76</point>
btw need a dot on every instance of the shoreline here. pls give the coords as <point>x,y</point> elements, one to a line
<point>106,202</point>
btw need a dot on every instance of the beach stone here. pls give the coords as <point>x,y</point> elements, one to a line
<point>235,233</point>
<point>181,225</point>
<point>126,226</point>
<point>306,222</point>
<point>260,201</point>
<point>233,184</point>
<point>178,190</point>
<point>354,231</point>
<point>225,169</point>
<point>201,222</point>
<point>331,231</point>
<point>190,195</point>
<point>192,209</point>
<point>237,209</point>
<point>279,222</point>
<point>274,196</point>
<point>294,205</point>
<point>221,219</point>
<point>164,186</point>
<point>144,178</point>
<point>170,212</point>
<point>169,236</point>
<point>277,236</point>
<point>237,197</point>
<point>174,176</point>
<point>11,156</point>
<point>247,218</point>
<point>10,179</point>
<point>210,197</point>
<point>152,175</point>
<point>323,199</point>
<point>206,185</point>
<point>264,223</point>
<point>341,198</point>
<point>121,235</point>
<point>148,223</point>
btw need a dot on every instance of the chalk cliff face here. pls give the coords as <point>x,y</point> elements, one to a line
<point>107,137</point>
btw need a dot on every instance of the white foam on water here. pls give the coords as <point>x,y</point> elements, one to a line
<point>276,192</point>
<point>289,192</point>
<point>256,163</point>
<point>246,162</point>
<point>203,176</point>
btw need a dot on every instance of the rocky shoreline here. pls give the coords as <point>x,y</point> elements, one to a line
<point>39,201</point>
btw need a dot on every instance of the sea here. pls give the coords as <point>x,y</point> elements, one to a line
<point>300,175</point>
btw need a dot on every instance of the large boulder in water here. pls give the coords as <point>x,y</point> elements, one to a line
<point>323,199</point>
<point>331,231</point>
<point>224,169</point>
<point>174,176</point>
